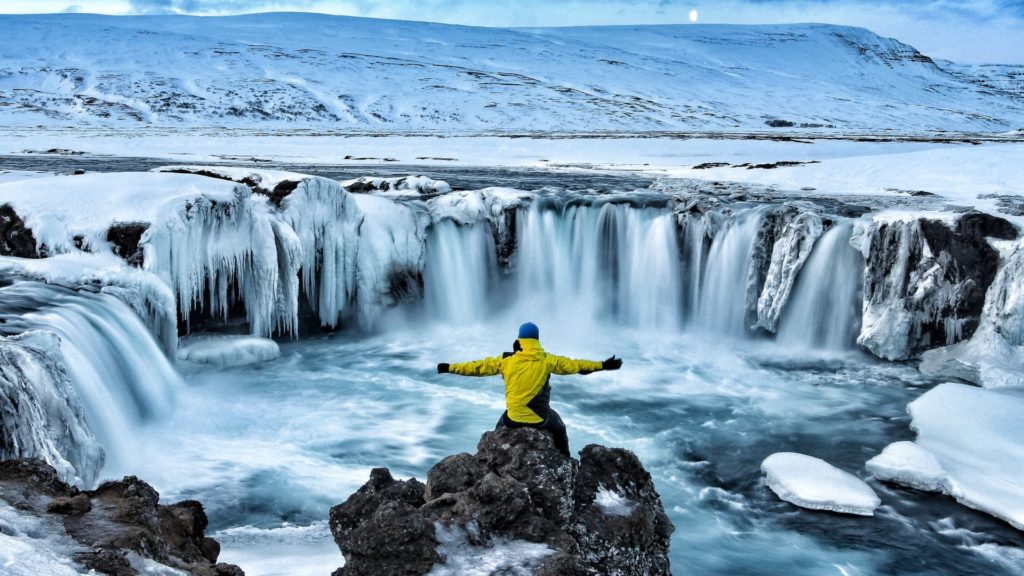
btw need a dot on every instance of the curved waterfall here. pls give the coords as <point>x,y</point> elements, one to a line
<point>114,365</point>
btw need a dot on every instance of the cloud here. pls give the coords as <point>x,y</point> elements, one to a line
<point>216,7</point>
<point>73,9</point>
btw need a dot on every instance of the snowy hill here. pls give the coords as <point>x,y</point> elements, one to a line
<point>327,72</point>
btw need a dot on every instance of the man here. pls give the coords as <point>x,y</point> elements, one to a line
<point>527,372</point>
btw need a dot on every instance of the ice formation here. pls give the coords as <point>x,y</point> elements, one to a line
<point>969,445</point>
<point>41,415</point>
<point>227,351</point>
<point>812,483</point>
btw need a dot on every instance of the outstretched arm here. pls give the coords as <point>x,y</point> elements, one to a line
<point>563,365</point>
<point>486,367</point>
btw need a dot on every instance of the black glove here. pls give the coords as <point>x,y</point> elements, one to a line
<point>442,368</point>
<point>612,363</point>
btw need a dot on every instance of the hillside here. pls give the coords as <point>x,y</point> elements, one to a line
<point>328,72</point>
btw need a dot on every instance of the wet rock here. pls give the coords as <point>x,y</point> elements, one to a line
<point>630,535</point>
<point>380,529</point>
<point>74,505</point>
<point>115,520</point>
<point>517,486</point>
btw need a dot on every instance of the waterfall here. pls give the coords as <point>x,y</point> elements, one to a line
<point>824,310</point>
<point>115,366</point>
<point>461,271</point>
<point>721,279</point>
<point>599,262</point>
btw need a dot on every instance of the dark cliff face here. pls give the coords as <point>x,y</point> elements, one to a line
<point>116,519</point>
<point>600,514</point>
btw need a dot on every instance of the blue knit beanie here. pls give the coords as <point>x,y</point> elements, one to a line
<point>529,330</point>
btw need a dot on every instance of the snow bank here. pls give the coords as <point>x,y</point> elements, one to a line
<point>60,209</point>
<point>264,180</point>
<point>975,440</point>
<point>227,351</point>
<point>471,206</point>
<point>812,483</point>
<point>399,186</point>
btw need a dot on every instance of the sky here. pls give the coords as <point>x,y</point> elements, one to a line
<point>968,31</point>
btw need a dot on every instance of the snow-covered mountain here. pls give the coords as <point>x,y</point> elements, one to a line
<point>327,72</point>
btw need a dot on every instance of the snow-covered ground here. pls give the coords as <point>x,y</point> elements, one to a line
<point>312,70</point>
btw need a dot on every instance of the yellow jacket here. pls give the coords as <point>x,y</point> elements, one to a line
<point>526,375</point>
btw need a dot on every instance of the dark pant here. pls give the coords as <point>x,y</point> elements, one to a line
<point>553,424</point>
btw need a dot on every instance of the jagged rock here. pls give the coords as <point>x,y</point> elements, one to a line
<point>70,506</point>
<point>925,281</point>
<point>517,486</point>
<point>116,519</point>
<point>381,530</point>
<point>631,535</point>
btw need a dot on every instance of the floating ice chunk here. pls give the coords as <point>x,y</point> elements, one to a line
<point>813,483</point>
<point>977,437</point>
<point>227,351</point>
<point>908,464</point>
<point>612,503</point>
<point>500,556</point>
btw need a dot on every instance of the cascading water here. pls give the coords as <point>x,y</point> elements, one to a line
<point>116,367</point>
<point>824,310</point>
<point>461,271</point>
<point>602,262</point>
<point>721,276</point>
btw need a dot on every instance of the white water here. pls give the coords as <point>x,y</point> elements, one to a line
<point>117,368</point>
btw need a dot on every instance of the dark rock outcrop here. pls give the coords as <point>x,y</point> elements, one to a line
<point>125,238</point>
<point>925,282</point>
<point>15,238</point>
<point>598,515</point>
<point>115,520</point>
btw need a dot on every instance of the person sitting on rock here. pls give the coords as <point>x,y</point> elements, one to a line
<point>527,373</point>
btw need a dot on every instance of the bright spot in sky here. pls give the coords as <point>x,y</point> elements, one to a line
<point>693,15</point>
